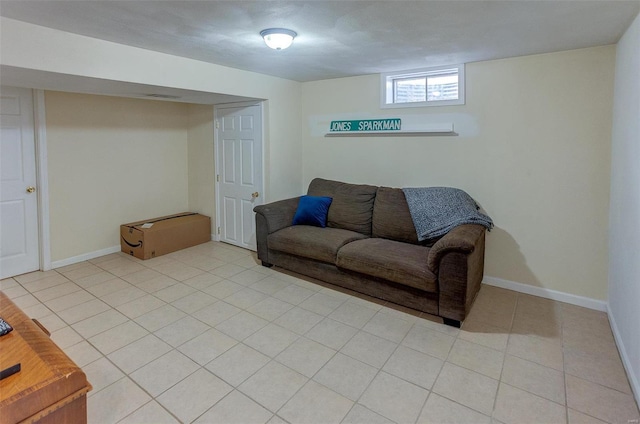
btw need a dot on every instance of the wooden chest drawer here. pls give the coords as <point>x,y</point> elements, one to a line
<point>49,386</point>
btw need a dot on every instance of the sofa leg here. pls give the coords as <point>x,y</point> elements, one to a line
<point>267,264</point>
<point>451,322</point>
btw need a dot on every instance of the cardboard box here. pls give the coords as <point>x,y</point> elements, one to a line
<point>159,236</point>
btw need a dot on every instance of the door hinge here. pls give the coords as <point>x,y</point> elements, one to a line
<point>217,124</point>
<point>218,230</point>
<point>217,178</point>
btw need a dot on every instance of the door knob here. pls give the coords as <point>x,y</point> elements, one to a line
<point>254,195</point>
<point>31,189</point>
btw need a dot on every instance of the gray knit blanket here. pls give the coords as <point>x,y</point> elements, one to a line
<point>437,210</point>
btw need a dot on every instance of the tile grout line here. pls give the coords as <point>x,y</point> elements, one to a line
<point>127,375</point>
<point>104,356</point>
<point>380,369</point>
<point>504,358</point>
<point>324,316</point>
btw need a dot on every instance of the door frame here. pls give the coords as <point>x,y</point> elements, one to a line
<point>42,179</point>
<point>216,142</point>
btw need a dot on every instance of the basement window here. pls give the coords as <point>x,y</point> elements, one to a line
<point>439,86</point>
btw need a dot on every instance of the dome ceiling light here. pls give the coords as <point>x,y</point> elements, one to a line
<point>278,38</point>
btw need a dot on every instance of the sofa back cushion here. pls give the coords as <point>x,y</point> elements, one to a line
<point>391,216</point>
<point>352,205</point>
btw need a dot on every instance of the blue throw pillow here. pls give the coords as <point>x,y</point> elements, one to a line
<point>312,210</point>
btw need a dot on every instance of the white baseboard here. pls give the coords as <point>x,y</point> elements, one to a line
<point>96,254</point>
<point>586,302</point>
<point>632,374</point>
<point>85,257</point>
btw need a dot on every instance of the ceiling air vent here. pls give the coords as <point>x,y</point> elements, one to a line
<point>161,96</point>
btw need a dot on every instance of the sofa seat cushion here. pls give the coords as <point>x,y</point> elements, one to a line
<point>317,243</point>
<point>395,261</point>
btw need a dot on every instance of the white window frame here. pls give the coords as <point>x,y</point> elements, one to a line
<point>389,77</point>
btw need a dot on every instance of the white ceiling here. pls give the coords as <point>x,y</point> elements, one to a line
<point>338,38</point>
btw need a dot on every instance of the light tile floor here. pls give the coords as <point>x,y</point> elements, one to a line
<point>207,335</point>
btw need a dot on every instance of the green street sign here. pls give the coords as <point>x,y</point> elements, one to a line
<point>366,125</point>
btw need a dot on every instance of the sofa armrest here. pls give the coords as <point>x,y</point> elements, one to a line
<point>458,259</point>
<point>278,215</point>
<point>269,219</point>
<point>462,239</point>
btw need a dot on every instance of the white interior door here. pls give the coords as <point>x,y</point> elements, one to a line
<point>18,201</point>
<point>240,185</point>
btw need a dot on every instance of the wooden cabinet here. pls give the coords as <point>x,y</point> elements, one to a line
<point>50,388</point>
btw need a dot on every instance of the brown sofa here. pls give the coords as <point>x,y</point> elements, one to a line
<point>370,246</point>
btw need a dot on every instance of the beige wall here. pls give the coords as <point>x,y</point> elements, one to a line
<point>40,49</point>
<point>201,165</point>
<point>533,150</point>
<point>534,145</point>
<point>45,52</point>
<point>111,160</point>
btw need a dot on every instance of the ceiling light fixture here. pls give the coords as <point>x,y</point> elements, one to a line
<point>278,38</point>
